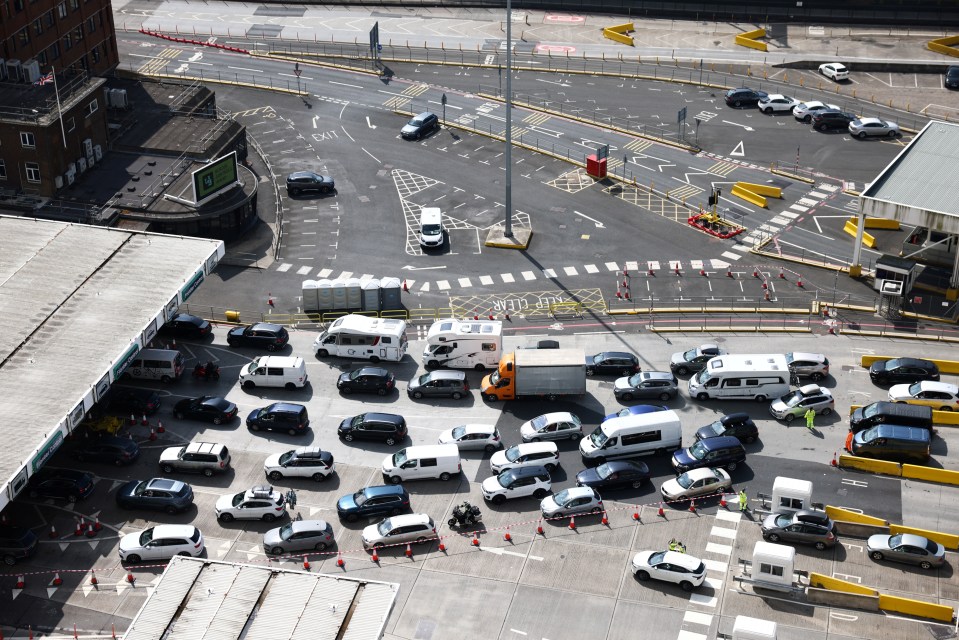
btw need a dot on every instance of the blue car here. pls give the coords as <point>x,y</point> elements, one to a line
<point>158,494</point>
<point>636,409</point>
<point>377,501</point>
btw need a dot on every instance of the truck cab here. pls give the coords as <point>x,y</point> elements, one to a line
<point>499,384</point>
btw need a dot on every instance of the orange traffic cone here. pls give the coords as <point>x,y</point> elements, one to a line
<point>722,501</point>
<point>729,272</point>
<point>79,530</point>
<point>677,270</point>
<point>692,506</point>
<point>144,420</point>
<point>766,296</point>
<point>475,541</point>
<point>782,273</point>
<point>605,519</point>
<point>799,282</point>
<point>160,427</point>
<point>702,272</point>
<point>133,419</point>
<point>506,536</point>
<point>755,272</point>
<point>765,286</point>
<point>96,524</point>
<point>650,272</point>
<point>53,532</point>
<point>153,434</point>
<point>376,556</point>
<point>627,294</point>
<point>130,578</point>
<point>491,316</point>
<point>506,316</point>
<point>834,463</point>
<point>405,288</point>
<point>636,515</point>
<point>661,513</point>
<point>306,563</point>
<point>572,523</point>
<point>93,578</point>
<point>539,527</point>
<point>442,546</point>
<point>339,560</point>
<point>20,582</point>
<point>619,294</point>
<point>90,531</point>
<point>409,550</point>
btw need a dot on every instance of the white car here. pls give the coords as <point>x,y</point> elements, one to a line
<point>415,528</point>
<point>472,436</point>
<point>161,542</point>
<point>259,503</point>
<point>834,70</point>
<point>670,566</point>
<point>873,127</point>
<point>572,501</point>
<point>552,426</point>
<point>807,110</point>
<point>305,462</point>
<point>777,103</point>
<point>517,483</point>
<point>941,396</point>
<point>526,454</point>
<point>703,481</point>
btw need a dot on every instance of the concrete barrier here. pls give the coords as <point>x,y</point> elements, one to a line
<point>821,581</point>
<point>918,608</point>
<point>748,196</point>
<point>945,366</point>
<point>868,464</point>
<point>618,33</point>
<point>762,189</point>
<point>879,223</point>
<point>948,540</point>
<point>930,474</point>
<point>944,46</point>
<point>838,513</point>
<point>748,39</point>
<point>859,530</point>
<point>850,228</point>
<point>859,601</point>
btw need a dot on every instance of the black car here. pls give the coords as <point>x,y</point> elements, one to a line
<point>264,335</point>
<point>615,474</point>
<point>420,126</point>
<point>377,501</point>
<point>61,483</point>
<point>902,371</point>
<point>107,449</point>
<point>127,400</point>
<point>385,427</point>
<point>951,78</point>
<point>206,408</point>
<point>366,380</point>
<point>739,425</point>
<point>832,119</point>
<point>722,451</point>
<point>158,494</point>
<point>744,96</point>
<point>300,181</point>
<point>612,363</point>
<point>16,544</point>
<point>288,417</point>
<point>183,325</point>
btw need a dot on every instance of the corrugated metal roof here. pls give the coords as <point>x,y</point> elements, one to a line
<point>923,175</point>
<point>212,600</point>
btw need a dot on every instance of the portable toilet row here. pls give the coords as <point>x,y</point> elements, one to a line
<point>352,294</point>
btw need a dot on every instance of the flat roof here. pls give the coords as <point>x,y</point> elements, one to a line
<point>201,598</point>
<point>73,299</point>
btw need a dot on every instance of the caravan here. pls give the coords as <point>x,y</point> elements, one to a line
<point>357,336</point>
<point>464,344</point>
<point>742,377</point>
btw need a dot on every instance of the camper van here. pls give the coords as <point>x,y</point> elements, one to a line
<point>431,227</point>
<point>357,336</point>
<point>742,377</point>
<point>464,344</point>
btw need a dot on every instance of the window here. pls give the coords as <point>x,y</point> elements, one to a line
<point>74,4</point>
<point>48,18</point>
<point>489,346</point>
<point>770,569</point>
<point>91,24</point>
<point>37,27</point>
<point>733,382</point>
<point>23,36</point>
<point>3,170</point>
<point>636,438</point>
<point>27,139</point>
<point>71,124</point>
<point>78,33</point>
<point>55,51</point>
<point>62,10</point>
<point>33,172</point>
<point>68,42</point>
<point>17,6</point>
<point>92,107</point>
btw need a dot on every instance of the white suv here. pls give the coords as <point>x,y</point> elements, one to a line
<point>305,462</point>
<point>527,454</point>
<point>259,503</point>
<point>408,527</point>
<point>670,566</point>
<point>161,542</point>
<point>517,483</point>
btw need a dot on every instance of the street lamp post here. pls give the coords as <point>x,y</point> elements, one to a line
<point>508,229</point>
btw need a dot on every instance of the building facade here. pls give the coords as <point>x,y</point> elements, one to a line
<point>53,111</point>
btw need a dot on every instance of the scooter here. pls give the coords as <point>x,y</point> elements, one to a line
<point>465,514</point>
<point>209,371</point>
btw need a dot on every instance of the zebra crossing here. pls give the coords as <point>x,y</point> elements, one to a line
<point>159,64</point>
<point>698,619</point>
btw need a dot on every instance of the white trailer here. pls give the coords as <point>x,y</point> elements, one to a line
<point>464,344</point>
<point>359,336</point>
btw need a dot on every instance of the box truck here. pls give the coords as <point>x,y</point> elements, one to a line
<point>543,373</point>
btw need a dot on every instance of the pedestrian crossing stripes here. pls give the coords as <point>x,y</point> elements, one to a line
<point>831,188</point>
<point>416,89</point>
<point>686,191</point>
<point>721,168</point>
<point>396,102</point>
<point>158,65</point>
<point>638,145</point>
<point>517,132</point>
<point>534,119</point>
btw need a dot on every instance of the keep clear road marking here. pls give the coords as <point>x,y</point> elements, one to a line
<point>739,150</point>
<point>500,552</point>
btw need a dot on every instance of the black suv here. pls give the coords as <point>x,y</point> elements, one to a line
<point>420,126</point>
<point>300,181</point>
<point>832,119</point>
<point>612,363</point>
<point>744,96</point>
<point>183,325</point>
<point>379,500</point>
<point>951,79</point>
<point>738,425</point>
<point>61,483</point>
<point>366,380</point>
<point>722,451</point>
<point>902,371</point>
<point>265,335</point>
<point>108,449</point>
<point>386,427</point>
<point>280,416</point>
<point>17,543</point>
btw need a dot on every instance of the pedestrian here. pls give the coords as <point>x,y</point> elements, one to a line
<point>810,417</point>
<point>743,500</point>
<point>291,499</point>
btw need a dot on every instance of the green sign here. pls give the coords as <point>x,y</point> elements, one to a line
<point>191,286</point>
<point>125,361</point>
<point>45,452</point>
<point>214,178</point>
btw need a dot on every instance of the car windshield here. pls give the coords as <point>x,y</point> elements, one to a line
<point>416,122</point>
<point>286,457</point>
<point>423,379</point>
<point>431,229</point>
<point>237,499</point>
<point>505,478</point>
<point>783,520</point>
<point>717,428</point>
<point>561,497</point>
<point>895,541</point>
<point>636,380</point>
<point>791,399</point>
<point>870,434</point>
<point>689,355</point>
<point>399,458</point>
<point>355,374</point>
<point>359,498</point>
<point>146,536</point>
<point>357,421</point>
<point>459,432</point>
<point>512,453</point>
<point>656,558</point>
<point>684,481</point>
<point>915,389</point>
<point>384,527</point>
<point>603,471</point>
<point>141,487</point>
<point>538,423</point>
<point>494,378</point>
<point>286,531</point>
<point>871,410</point>
<point>698,450</point>
<point>702,377</point>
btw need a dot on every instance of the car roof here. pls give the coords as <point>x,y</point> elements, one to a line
<point>477,428</point>
<point>531,470</point>
<point>703,472</point>
<point>800,355</point>
<point>774,96</point>
<point>813,103</point>
<point>383,417</point>
<point>373,371</point>
<point>720,442</point>
<point>708,346</point>
<point>657,375</point>
<point>735,417</point>
<point>622,465</point>
<point>285,406</point>
<point>204,447</point>
<point>914,540</point>
<point>580,492</point>
<point>913,362</point>
<point>385,490</point>
<point>615,354</point>
<point>173,531</point>
<point>266,326</point>
<point>166,484</point>
<point>811,515</point>
<point>558,416</point>
<point>450,375</point>
<point>423,115</point>
<point>684,560</point>
<point>309,525</point>
<point>406,519</point>
<point>870,120</point>
<point>308,452</point>
<point>813,390</point>
<point>932,385</point>
<point>533,447</point>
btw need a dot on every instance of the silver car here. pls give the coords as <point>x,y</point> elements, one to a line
<point>404,528</point>
<point>795,403</point>
<point>807,110</point>
<point>873,127</point>
<point>776,103</point>
<point>299,535</point>
<point>683,362</point>
<point>552,426</point>
<point>472,436</point>
<point>697,482</point>
<point>572,501</point>
<point>647,384</point>
<point>808,365</point>
<point>908,548</point>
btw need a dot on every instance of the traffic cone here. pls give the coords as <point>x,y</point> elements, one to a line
<point>625,284</point>
<point>765,286</point>
<point>692,505</point>
<point>376,557</point>
<point>475,541</point>
<point>79,530</point>
<point>755,272</point>
<point>766,296</point>
<point>676,270</point>
<point>825,311</point>
<point>57,580</point>
<point>799,282</point>
<point>782,273</point>
<point>90,531</point>
<point>650,272</point>
<point>339,560</point>
<point>636,515</point>
<point>832,331</point>
<point>96,524</point>
<point>306,563</point>
<point>507,536</point>
<point>30,632</point>
<point>722,501</point>
<point>53,532</point>
<point>113,631</point>
<point>626,273</point>
<point>133,419</point>
<point>153,434</point>
<point>75,636</point>
<point>93,578</point>
<point>409,550</point>
<point>475,315</point>
<point>572,523</point>
<point>702,272</point>
<point>405,288</point>
<point>627,294</point>
<point>729,272</point>
<point>661,513</point>
<point>144,420</point>
<point>619,294</point>
<point>834,463</point>
<point>506,316</point>
<point>269,299</point>
<point>442,546</point>
<point>20,582</point>
<point>491,316</point>
<point>605,519</point>
<point>160,427</point>
<point>539,527</point>
<point>130,578</point>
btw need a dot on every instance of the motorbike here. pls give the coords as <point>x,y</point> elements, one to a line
<point>209,371</point>
<point>465,514</point>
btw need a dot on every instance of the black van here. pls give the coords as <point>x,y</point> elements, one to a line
<point>893,442</point>
<point>909,415</point>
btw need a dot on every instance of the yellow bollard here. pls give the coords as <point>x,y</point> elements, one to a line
<point>785,77</point>
<point>765,75</point>
<point>907,107</point>
<point>802,82</point>
<point>749,72</point>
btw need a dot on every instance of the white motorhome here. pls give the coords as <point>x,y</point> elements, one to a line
<point>742,377</point>
<point>464,344</point>
<point>358,336</point>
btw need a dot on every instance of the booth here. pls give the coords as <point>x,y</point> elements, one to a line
<point>896,269</point>
<point>773,565</point>
<point>791,495</point>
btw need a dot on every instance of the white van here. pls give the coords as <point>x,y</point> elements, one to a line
<point>165,365</point>
<point>431,227</point>
<point>658,432</point>
<point>274,371</point>
<point>742,377</point>
<point>424,462</point>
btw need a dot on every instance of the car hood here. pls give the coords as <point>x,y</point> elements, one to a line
<point>409,128</point>
<point>877,367</point>
<point>344,378</point>
<point>492,485</point>
<point>677,358</point>
<point>221,404</point>
<point>682,457</point>
<point>446,437</point>
<point>236,332</point>
<point>272,460</point>
<point>254,416</point>
<point>371,532</point>
<point>126,490</point>
<point>642,558</point>
<point>587,477</point>
<point>498,458</point>
<point>879,541</point>
<point>899,392</point>
<point>130,541</point>
<point>548,505</point>
<point>345,425</point>
<point>672,488</point>
<point>346,503</point>
<point>778,406</point>
<point>272,537</point>
<point>769,522</point>
<point>622,383</point>
<point>171,453</point>
<point>224,502</point>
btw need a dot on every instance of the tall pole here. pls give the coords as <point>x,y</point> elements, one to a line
<point>56,91</point>
<point>508,232</point>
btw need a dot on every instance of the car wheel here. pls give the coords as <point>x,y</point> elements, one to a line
<point>320,546</point>
<point>166,468</point>
<point>816,377</point>
<point>348,437</point>
<point>821,127</point>
<point>575,436</point>
<point>274,476</point>
<point>861,135</point>
<point>374,359</point>
<point>491,448</point>
<point>535,439</point>
<point>686,585</point>
<point>9,560</point>
<point>589,371</point>
<point>352,517</point>
<point>208,473</point>
<point>550,467</point>
<point>876,555</point>
<point>480,367</point>
<point>702,396</point>
<point>891,134</point>
<point>731,466</point>
<point>346,391</point>
<point>626,396</point>
<point>749,439</point>
<point>254,427</point>
<point>179,415</point>
<point>760,398</point>
<point>277,551</point>
<point>218,420</point>
<point>825,412</point>
<point>133,558</point>
<point>381,392</point>
<point>433,364</point>
<point>642,575</point>
<point>72,498</point>
<point>945,408</point>
<point>391,441</point>
<point>637,484</point>
<point>319,477</point>
<point>768,111</point>
<point>34,493</point>
<point>324,190</point>
<point>682,371</point>
<point>491,398</point>
<point>292,432</point>
<point>185,554</point>
<point>322,353</point>
<point>457,395</point>
<point>820,545</point>
<point>445,477</point>
<point>737,103</point>
<point>421,540</point>
<point>417,395</point>
<point>664,396</point>
<point>395,479</point>
<point>170,509</point>
<point>925,564</point>
<point>595,510</point>
<point>226,517</point>
<point>540,493</point>
<point>789,417</point>
<point>271,347</point>
<point>290,386</point>
<point>498,499</point>
<point>559,514</point>
<point>248,384</point>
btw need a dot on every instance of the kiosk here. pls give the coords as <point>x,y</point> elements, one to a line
<point>791,495</point>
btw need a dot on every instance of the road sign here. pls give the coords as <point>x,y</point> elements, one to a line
<point>602,152</point>
<point>375,39</point>
<point>681,115</point>
<point>296,69</point>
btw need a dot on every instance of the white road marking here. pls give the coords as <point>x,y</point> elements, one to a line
<point>549,273</point>
<point>721,549</point>
<point>729,516</point>
<point>443,285</point>
<point>507,277</point>
<point>528,275</point>
<point>591,268</point>
<point>695,617</point>
<point>486,280</point>
<point>723,532</point>
<point>284,267</point>
<point>571,271</point>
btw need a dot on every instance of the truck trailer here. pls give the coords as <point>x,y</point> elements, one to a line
<point>537,373</point>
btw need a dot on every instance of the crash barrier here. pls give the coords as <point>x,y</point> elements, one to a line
<point>198,43</point>
<point>748,39</point>
<point>945,366</point>
<point>930,474</point>
<point>944,46</point>
<point>821,581</point>
<point>842,599</point>
<point>944,418</point>
<point>867,239</point>
<point>869,464</point>
<point>879,223</point>
<point>566,309</point>
<point>756,193</point>
<point>838,513</point>
<point>619,33</point>
<point>948,540</point>
<point>908,606</point>
<point>899,470</point>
